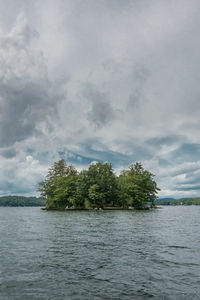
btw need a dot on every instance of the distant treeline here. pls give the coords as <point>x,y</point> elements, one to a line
<point>21,201</point>
<point>183,201</point>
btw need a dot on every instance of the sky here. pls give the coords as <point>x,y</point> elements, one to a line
<point>107,80</point>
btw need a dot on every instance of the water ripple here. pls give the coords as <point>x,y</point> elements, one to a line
<point>100,255</point>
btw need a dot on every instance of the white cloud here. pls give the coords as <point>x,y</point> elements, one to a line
<point>111,80</point>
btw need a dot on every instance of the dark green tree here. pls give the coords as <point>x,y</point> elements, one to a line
<point>82,189</point>
<point>59,187</point>
<point>101,181</point>
<point>137,187</point>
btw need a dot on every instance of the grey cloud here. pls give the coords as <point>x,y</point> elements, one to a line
<point>190,179</point>
<point>138,97</point>
<point>122,73</point>
<point>187,152</point>
<point>25,91</point>
<point>20,113</point>
<point>111,66</point>
<point>165,140</point>
<point>101,112</point>
<point>8,152</point>
<point>191,187</point>
<point>185,168</point>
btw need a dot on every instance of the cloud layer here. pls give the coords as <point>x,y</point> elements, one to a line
<point>102,80</point>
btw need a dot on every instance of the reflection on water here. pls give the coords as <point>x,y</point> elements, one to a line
<point>100,255</point>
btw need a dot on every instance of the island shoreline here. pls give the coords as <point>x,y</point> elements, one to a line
<point>100,209</point>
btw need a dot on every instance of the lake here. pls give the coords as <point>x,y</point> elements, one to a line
<point>100,255</point>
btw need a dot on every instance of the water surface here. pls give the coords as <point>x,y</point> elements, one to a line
<point>100,255</point>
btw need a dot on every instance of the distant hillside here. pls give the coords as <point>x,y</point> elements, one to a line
<point>21,201</point>
<point>182,201</point>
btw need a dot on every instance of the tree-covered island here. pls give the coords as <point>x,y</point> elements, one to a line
<point>98,187</point>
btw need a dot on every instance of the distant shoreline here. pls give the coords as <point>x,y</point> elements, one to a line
<point>178,202</point>
<point>99,209</point>
<point>21,201</point>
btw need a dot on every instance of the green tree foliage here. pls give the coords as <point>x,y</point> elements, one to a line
<point>59,187</point>
<point>98,187</point>
<point>102,185</point>
<point>96,196</point>
<point>137,187</point>
<point>20,201</point>
<point>82,190</point>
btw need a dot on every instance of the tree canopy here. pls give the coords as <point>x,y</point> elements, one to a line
<point>98,187</point>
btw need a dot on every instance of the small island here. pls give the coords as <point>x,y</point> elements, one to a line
<point>98,187</point>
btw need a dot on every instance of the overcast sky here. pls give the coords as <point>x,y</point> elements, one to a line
<point>104,80</point>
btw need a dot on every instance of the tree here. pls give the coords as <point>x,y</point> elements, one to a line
<point>59,169</point>
<point>137,187</point>
<point>102,185</point>
<point>82,187</point>
<point>96,196</point>
<point>59,187</point>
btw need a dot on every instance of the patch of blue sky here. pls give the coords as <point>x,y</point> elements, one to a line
<point>160,141</point>
<point>30,151</point>
<point>187,152</point>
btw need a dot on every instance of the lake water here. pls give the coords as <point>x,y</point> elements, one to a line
<point>100,255</point>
